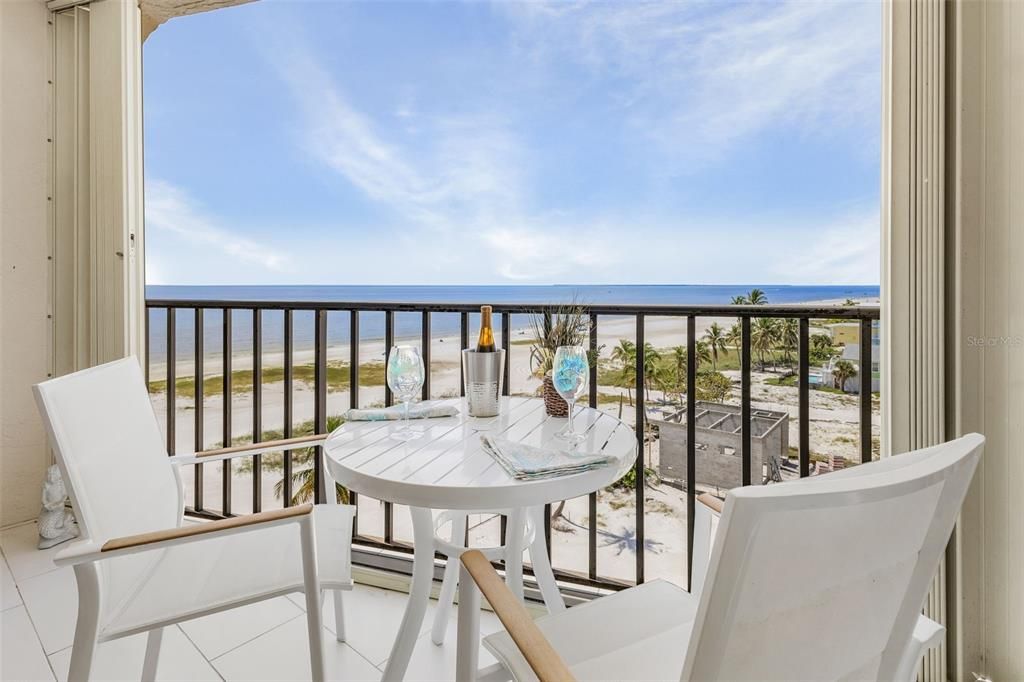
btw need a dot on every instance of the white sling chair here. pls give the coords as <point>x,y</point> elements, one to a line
<point>138,568</point>
<point>817,579</point>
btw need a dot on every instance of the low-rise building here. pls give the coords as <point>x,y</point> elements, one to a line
<point>719,444</point>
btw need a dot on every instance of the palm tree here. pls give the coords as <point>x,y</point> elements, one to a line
<point>734,337</point>
<point>843,371</point>
<point>679,363</point>
<point>764,334</point>
<point>739,300</point>
<point>789,336</point>
<point>715,337</point>
<point>625,354</point>
<point>703,353</point>
<point>821,343</point>
<point>680,356</point>
<point>651,358</point>
<point>304,480</point>
<point>821,348</point>
<point>757,297</point>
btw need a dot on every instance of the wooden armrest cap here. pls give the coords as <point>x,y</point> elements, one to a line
<point>711,502</point>
<point>538,652</point>
<point>282,444</point>
<point>204,528</point>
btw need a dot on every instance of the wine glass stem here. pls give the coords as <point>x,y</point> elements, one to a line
<point>406,414</point>
<point>572,405</point>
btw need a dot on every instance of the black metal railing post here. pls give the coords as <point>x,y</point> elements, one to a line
<point>804,427</point>
<point>389,342</point>
<point>640,440</point>
<point>745,435</point>
<point>592,498</point>
<point>506,343</point>
<point>353,359</point>
<point>866,376</point>
<point>257,408</point>
<point>691,442</point>
<point>198,379</point>
<point>172,378</point>
<point>226,437</point>
<point>353,383</point>
<point>319,400</point>
<point>286,472</point>
<point>426,354</point>
<point>464,343</point>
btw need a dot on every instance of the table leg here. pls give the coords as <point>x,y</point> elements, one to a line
<point>450,582</point>
<point>467,651</point>
<point>419,595</point>
<point>542,563</point>
<point>514,551</point>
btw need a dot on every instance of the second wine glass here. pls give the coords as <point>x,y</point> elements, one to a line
<point>570,373</point>
<point>405,375</point>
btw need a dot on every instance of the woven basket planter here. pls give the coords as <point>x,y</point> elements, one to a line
<point>554,403</point>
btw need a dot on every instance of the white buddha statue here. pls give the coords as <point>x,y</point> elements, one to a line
<point>56,523</point>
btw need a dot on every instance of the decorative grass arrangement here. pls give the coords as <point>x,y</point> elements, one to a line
<point>567,325</point>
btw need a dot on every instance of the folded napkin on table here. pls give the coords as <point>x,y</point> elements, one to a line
<point>526,463</point>
<point>417,411</point>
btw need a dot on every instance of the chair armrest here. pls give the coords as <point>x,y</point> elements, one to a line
<point>927,635</point>
<point>539,654</point>
<point>88,550</point>
<point>704,523</point>
<point>711,502</point>
<point>73,552</point>
<point>250,449</point>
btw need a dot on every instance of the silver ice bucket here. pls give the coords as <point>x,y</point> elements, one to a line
<point>483,374</point>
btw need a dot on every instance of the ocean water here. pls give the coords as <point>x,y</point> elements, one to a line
<point>407,325</point>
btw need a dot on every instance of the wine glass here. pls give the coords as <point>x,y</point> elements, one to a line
<point>570,373</point>
<point>405,378</point>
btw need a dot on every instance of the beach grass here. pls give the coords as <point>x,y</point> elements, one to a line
<point>790,380</point>
<point>370,374</point>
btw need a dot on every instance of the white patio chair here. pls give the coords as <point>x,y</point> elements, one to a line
<point>137,567</point>
<point>817,579</point>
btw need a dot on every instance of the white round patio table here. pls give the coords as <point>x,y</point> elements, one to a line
<point>447,469</point>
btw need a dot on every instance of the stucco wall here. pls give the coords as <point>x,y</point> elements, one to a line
<point>24,285</point>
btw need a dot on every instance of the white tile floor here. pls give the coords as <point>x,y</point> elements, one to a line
<point>265,641</point>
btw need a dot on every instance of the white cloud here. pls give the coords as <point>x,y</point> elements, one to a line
<point>170,211</point>
<point>466,174</point>
<point>843,251</point>
<point>694,82</point>
<point>697,79</point>
<point>524,254</point>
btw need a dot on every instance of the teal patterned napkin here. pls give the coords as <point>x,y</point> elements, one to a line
<point>527,463</point>
<point>425,410</point>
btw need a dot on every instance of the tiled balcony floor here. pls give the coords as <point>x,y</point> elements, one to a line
<point>264,641</point>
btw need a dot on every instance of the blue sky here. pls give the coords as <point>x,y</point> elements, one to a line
<point>514,143</point>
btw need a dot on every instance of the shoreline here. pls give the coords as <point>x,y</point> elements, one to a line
<point>661,332</point>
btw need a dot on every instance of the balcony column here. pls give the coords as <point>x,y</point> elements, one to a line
<point>985,341</point>
<point>913,353</point>
<point>115,130</point>
<point>97,245</point>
